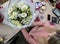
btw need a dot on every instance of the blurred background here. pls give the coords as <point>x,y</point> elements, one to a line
<point>3,1</point>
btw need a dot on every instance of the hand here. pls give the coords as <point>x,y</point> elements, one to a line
<point>28,38</point>
<point>37,33</point>
<point>50,28</point>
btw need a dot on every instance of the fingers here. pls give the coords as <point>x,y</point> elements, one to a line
<point>32,41</point>
<point>50,28</point>
<point>25,33</point>
<point>34,30</point>
<point>38,24</point>
<point>28,38</point>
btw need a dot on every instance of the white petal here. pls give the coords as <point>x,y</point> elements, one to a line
<point>24,7</point>
<point>23,15</point>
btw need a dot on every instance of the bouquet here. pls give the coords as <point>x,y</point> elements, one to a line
<point>20,15</point>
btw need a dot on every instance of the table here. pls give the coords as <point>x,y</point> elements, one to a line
<point>6,30</point>
<point>9,32</point>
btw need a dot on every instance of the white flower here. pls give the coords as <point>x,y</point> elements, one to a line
<point>23,21</point>
<point>23,15</point>
<point>24,7</point>
<point>14,7</point>
<point>16,22</point>
<point>14,15</point>
<point>10,10</point>
<point>28,19</point>
<point>9,14</point>
<point>27,23</point>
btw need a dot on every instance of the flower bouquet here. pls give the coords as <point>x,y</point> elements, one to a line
<point>20,15</point>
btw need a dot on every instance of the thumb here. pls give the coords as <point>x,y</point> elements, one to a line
<point>25,33</point>
<point>28,38</point>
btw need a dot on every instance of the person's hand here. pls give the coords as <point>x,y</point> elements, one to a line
<point>28,38</point>
<point>37,33</point>
<point>27,35</point>
<point>36,36</point>
<point>50,28</point>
